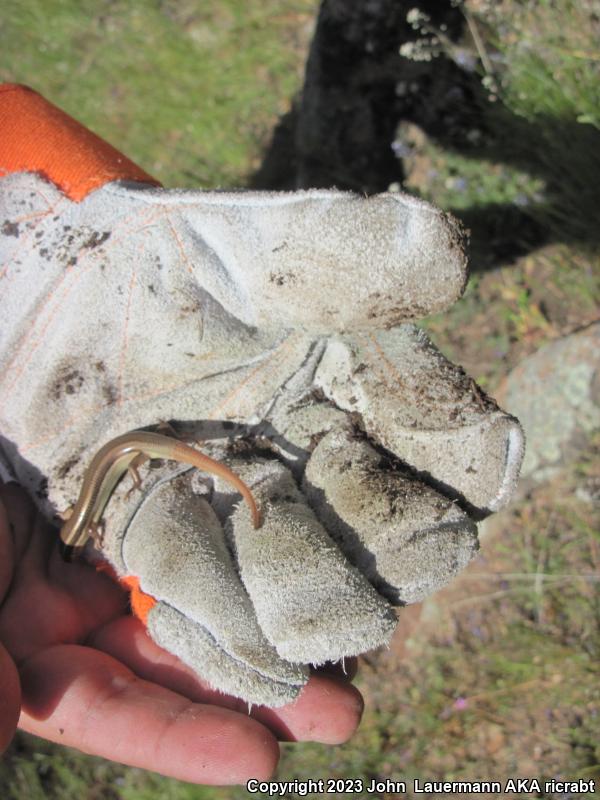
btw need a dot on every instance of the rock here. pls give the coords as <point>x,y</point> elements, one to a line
<point>555,393</point>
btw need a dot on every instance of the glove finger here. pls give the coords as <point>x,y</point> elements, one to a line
<point>176,546</point>
<point>428,412</point>
<point>405,537</point>
<point>311,603</point>
<point>400,257</point>
<point>197,648</point>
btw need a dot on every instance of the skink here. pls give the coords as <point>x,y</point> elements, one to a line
<point>115,458</point>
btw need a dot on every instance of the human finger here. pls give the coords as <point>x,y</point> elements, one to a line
<point>87,699</point>
<point>328,709</point>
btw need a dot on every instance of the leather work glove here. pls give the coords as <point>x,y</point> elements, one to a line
<point>276,329</point>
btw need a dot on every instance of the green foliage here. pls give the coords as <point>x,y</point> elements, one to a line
<point>551,63</point>
<point>547,76</point>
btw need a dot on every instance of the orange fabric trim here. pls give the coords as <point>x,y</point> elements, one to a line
<point>36,136</point>
<point>141,603</point>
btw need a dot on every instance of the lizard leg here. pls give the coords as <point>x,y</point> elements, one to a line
<point>133,469</point>
<point>96,530</point>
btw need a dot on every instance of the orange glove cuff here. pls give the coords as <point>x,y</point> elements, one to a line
<point>36,136</point>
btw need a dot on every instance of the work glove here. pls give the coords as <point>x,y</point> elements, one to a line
<point>275,331</point>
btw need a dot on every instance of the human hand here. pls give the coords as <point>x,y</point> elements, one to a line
<point>92,678</point>
<point>277,319</point>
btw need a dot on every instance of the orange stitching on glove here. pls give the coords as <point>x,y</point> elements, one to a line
<point>36,136</point>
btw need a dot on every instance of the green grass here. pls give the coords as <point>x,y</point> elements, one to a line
<point>188,90</point>
<point>38,770</point>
